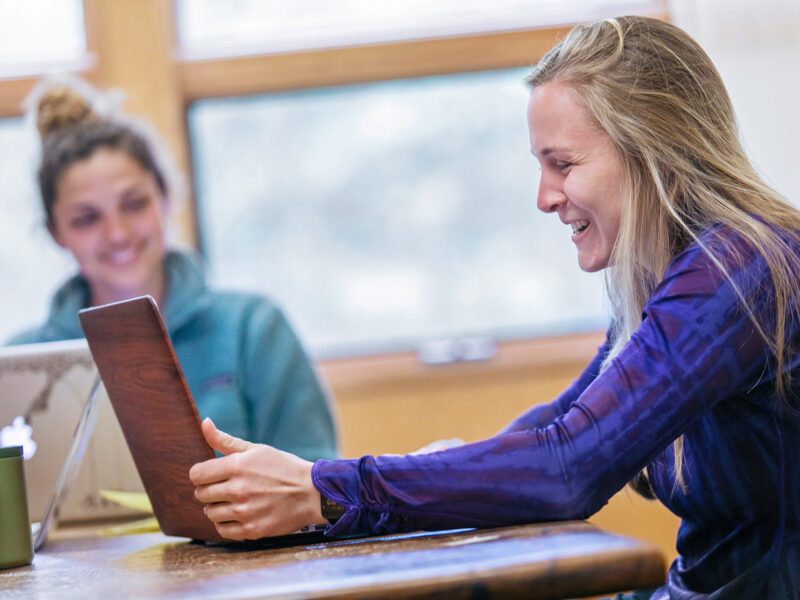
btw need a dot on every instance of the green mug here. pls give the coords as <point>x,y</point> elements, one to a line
<point>16,548</point>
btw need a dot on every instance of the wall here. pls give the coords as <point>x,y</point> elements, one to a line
<point>756,47</point>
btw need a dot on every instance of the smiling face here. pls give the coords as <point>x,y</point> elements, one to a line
<point>581,177</point>
<point>110,213</point>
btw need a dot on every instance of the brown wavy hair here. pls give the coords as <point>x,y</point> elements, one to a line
<point>72,130</point>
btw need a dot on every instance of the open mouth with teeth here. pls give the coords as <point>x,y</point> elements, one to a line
<point>578,227</point>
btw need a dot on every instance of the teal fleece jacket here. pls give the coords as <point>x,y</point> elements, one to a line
<point>244,365</point>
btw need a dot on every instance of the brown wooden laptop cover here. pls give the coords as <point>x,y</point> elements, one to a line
<point>155,409</point>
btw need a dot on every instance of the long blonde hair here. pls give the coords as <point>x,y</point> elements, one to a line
<point>657,94</point>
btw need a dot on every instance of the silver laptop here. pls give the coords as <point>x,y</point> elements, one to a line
<point>73,444</point>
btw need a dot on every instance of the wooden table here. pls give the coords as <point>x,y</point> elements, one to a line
<point>563,560</point>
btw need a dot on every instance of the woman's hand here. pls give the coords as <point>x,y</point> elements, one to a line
<point>254,491</point>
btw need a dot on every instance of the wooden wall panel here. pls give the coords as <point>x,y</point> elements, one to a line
<point>12,95</point>
<point>375,62</point>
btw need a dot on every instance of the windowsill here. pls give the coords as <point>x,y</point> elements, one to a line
<point>538,355</point>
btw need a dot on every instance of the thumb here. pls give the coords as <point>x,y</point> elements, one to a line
<point>222,442</point>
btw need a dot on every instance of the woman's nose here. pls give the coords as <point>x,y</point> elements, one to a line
<point>116,228</point>
<point>550,196</point>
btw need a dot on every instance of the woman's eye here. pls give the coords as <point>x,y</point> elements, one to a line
<point>84,220</point>
<point>136,204</point>
<point>562,165</point>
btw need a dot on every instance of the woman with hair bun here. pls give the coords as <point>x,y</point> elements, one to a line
<point>105,194</point>
<point>694,395</point>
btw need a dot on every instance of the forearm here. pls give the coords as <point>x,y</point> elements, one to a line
<point>513,478</point>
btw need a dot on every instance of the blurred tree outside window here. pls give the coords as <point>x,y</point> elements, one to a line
<point>381,215</point>
<point>40,35</point>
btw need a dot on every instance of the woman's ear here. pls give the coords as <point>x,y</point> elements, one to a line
<point>51,228</point>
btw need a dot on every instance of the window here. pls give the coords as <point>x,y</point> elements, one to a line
<point>302,44</point>
<point>40,35</point>
<point>211,27</point>
<point>30,262</point>
<point>36,36</point>
<point>383,214</point>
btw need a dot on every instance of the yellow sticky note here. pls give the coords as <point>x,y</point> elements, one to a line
<point>148,525</point>
<point>133,500</point>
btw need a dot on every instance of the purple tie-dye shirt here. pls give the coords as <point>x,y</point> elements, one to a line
<point>696,366</point>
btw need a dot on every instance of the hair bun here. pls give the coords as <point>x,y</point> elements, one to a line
<point>60,107</point>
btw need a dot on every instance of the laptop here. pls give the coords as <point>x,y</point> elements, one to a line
<point>51,404</point>
<point>157,413</point>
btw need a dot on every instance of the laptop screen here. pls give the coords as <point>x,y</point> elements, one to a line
<point>43,392</point>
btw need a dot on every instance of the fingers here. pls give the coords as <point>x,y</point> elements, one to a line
<point>222,442</point>
<point>217,469</point>
<point>438,445</point>
<point>236,522</point>
<point>233,530</point>
<point>255,491</point>
<point>225,512</point>
<point>211,493</point>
